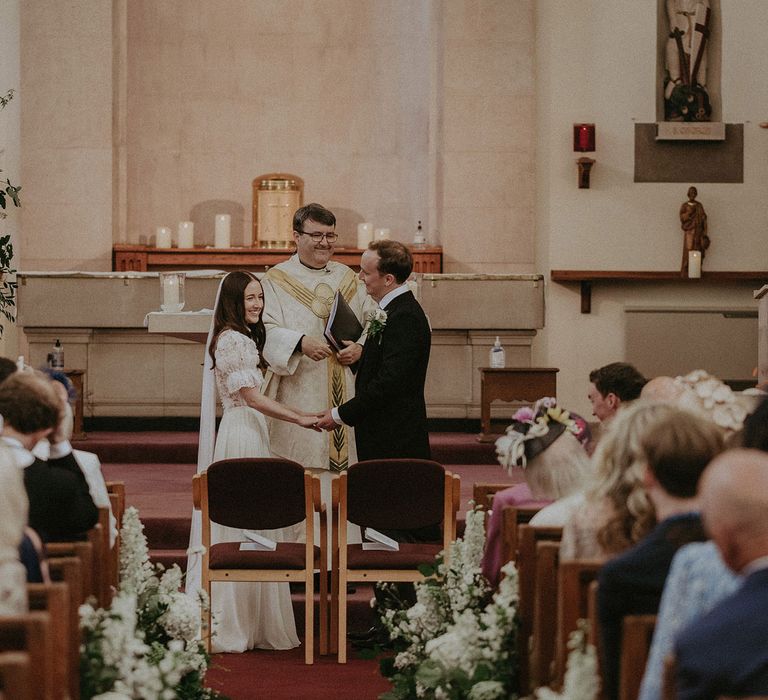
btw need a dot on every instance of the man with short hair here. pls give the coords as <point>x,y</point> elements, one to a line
<point>304,370</point>
<point>612,385</point>
<point>388,411</point>
<point>60,505</point>
<point>725,653</point>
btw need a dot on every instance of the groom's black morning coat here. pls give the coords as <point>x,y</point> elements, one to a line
<point>388,411</point>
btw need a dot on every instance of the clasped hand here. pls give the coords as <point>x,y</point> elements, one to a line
<point>325,421</point>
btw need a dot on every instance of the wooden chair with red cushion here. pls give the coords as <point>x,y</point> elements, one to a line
<point>387,494</point>
<point>265,494</point>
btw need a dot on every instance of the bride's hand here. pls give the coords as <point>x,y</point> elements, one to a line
<point>308,421</point>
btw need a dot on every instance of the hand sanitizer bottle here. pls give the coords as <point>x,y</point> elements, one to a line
<point>498,359</point>
<point>419,239</point>
<point>57,356</point>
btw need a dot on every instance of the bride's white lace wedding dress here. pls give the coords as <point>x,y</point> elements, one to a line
<point>246,615</point>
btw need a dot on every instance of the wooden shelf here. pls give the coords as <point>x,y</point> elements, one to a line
<point>139,258</point>
<point>586,278</point>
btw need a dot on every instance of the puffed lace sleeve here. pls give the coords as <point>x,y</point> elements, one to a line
<point>237,358</point>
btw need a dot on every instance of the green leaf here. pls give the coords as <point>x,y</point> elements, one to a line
<point>427,570</point>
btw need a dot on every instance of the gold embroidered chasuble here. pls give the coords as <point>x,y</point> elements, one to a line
<point>297,301</point>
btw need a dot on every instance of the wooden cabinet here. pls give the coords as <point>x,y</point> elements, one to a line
<point>137,258</point>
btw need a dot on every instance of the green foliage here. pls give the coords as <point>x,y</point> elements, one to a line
<point>8,193</point>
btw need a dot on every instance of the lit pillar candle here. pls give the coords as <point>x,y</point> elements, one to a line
<point>694,263</point>
<point>364,235</point>
<point>221,235</point>
<point>381,234</point>
<point>186,234</point>
<point>163,237</point>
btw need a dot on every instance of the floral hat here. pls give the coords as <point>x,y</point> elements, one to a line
<point>714,398</point>
<point>534,429</point>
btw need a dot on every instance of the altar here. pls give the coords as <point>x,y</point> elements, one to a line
<point>153,370</point>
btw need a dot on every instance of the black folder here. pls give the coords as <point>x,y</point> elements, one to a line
<point>342,323</point>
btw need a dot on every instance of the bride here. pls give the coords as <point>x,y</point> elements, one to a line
<point>245,615</point>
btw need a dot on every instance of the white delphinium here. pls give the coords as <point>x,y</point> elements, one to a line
<point>182,618</point>
<point>581,681</point>
<point>135,569</point>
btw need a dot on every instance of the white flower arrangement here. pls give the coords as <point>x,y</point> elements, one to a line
<point>582,681</point>
<point>456,641</point>
<point>146,645</point>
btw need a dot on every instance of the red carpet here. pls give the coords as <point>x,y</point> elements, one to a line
<point>157,469</point>
<point>282,675</point>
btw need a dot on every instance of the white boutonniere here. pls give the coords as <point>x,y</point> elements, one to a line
<point>376,322</point>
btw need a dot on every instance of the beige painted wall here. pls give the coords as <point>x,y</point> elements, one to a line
<point>456,112</point>
<point>596,62</point>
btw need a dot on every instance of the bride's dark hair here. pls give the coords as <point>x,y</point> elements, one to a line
<point>229,314</point>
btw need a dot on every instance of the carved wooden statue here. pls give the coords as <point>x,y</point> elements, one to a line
<point>693,220</point>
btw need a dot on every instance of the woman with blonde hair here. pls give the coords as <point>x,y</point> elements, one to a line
<point>616,512</point>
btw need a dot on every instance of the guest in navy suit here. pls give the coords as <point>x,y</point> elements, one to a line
<point>676,448</point>
<point>388,411</point>
<point>725,653</point>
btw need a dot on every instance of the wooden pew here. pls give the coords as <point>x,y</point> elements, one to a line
<point>544,629</point>
<point>31,633</point>
<point>69,570</point>
<point>53,598</point>
<point>636,638</point>
<point>98,536</point>
<point>482,493</point>
<point>82,551</point>
<point>574,579</point>
<point>529,537</point>
<point>116,491</point>
<point>511,519</point>
<point>15,675</point>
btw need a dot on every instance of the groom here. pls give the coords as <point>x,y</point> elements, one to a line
<point>388,411</point>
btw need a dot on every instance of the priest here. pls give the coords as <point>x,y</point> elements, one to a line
<point>304,370</point>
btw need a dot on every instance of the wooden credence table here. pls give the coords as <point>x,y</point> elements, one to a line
<point>526,384</point>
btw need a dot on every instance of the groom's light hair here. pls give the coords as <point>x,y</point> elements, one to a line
<point>394,259</point>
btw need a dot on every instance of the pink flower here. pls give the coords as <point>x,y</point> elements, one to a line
<point>524,415</point>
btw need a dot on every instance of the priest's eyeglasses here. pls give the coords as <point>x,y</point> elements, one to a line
<point>317,236</point>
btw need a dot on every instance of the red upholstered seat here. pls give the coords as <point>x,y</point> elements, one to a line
<point>265,494</point>
<point>287,555</point>
<point>410,556</point>
<point>402,495</point>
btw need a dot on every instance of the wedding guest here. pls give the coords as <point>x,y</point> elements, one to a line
<point>675,449</point>
<point>616,512</point>
<point>60,505</point>
<point>548,443</point>
<point>698,578</point>
<point>725,652</point>
<point>246,615</point>
<point>611,386</point>
<point>13,518</point>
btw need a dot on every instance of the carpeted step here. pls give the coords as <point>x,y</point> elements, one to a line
<point>169,557</point>
<point>167,533</point>
<point>181,447</point>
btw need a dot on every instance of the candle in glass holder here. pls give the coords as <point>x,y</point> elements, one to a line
<point>694,263</point>
<point>364,235</point>
<point>381,234</point>
<point>172,290</point>
<point>163,237</point>
<point>221,234</point>
<point>186,234</point>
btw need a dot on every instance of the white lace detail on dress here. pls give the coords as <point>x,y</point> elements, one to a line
<point>237,367</point>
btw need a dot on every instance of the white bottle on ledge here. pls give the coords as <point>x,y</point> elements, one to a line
<point>498,358</point>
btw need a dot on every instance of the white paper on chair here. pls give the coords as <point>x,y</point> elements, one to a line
<point>257,542</point>
<point>378,541</point>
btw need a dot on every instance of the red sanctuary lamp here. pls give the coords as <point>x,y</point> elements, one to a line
<point>584,142</point>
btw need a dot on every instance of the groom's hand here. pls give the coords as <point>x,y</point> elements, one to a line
<point>315,348</point>
<point>325,421</point>
<point>350,354</point>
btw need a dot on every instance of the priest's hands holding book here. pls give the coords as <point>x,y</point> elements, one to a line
<point>315,348</point>
<point>350,354</point>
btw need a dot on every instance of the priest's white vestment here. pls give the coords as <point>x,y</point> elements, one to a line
<point>297,302</point>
